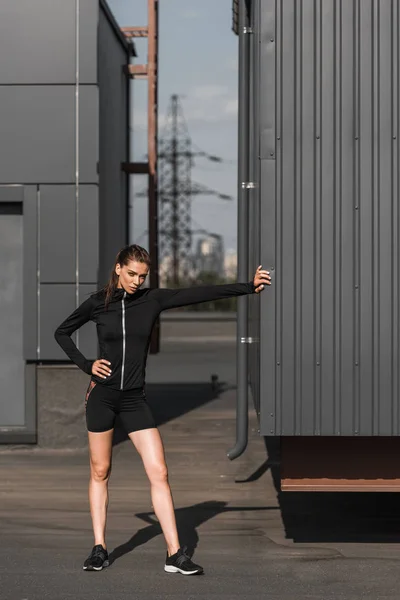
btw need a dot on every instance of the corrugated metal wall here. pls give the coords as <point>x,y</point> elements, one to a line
<point>329,190</point>
<point>253,199</point>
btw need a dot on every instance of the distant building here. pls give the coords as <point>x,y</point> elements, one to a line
<point>209,256</point>
<point>230,264</point>
<point>165,270</point>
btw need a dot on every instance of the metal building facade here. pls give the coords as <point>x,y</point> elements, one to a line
<point>326,162</point>
<point>64,111</point>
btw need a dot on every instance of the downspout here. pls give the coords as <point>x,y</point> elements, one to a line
<point>242,417</point>
<point>77,134</point>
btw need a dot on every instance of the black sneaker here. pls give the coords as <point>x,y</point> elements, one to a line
<point>97,560</point>
<point>181,563</point>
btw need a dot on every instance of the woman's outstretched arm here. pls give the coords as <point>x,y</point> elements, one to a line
<point>170,298</point>
<point>63,333</point>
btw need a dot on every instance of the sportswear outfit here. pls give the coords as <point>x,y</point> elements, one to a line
<point>123,331</point>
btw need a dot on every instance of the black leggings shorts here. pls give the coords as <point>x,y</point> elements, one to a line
<point>103,404</point>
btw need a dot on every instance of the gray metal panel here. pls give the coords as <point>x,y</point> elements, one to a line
<point>38,39</point>
<point>37,137</point>
<point>269,185</point>
<point>270,309</point>
<point>26,434</point>
<point>364,161</point>
<point>88,234</point>
<point>114,94</point>
<point>56,303</point>
<point>254,209</point>
<point>386,170</point>
<point>330,218</point>
<point>87,336</point>
<point>11,193</point>
<point>30,404</point>
<point>30,265</point>
<point>89,134</point>
<point>88,24</point>
<point>57,234</point>
<point>12,393</point>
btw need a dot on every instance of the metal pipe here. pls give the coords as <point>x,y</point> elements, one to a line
<point>242,417</point>
<point>77,134</point>
<point>152,114</point>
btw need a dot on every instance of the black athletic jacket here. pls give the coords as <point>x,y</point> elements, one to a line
<point>124,329</point>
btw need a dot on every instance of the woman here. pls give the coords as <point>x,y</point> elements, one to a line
<point>124,315</point>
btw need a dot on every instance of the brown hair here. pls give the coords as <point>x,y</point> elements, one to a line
<point>126,254</point>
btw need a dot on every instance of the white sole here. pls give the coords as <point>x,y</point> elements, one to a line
<point>106,564</point>
<point>169,569</point>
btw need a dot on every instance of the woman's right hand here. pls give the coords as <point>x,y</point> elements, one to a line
<point>100,368</point>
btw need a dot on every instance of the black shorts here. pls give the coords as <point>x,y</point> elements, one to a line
<point>103,404</point>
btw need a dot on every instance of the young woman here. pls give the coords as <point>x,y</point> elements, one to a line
<point>124,315</point>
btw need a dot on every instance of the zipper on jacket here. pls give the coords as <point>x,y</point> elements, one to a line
<point>123,341</point>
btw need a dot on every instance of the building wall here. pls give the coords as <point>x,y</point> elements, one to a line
<point>64,115</point>
<point>114,144</point>
<point>328,147</point>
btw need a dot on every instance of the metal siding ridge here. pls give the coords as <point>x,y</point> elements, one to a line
<point>288,221</point>
<point>271,417</point>
<point>317,197</point>
<point>357,226</point>
<point>375,213</point>
<point>337,240</point>
<point>385,221</point>
<point>277,199</point>
<point>395,220</point>
<point>311,414</point>
<point>298,165</point>
<point>278,222</point>
<point>348,212</point>
<point>366,222</point>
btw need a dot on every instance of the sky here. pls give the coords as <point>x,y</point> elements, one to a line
<point>197,61</point>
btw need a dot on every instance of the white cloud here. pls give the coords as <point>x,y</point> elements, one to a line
<point>232,64</point>
<point>209,91</point>
<point>210,104</point>
<point>232,107</point>
<point>201,104</point>
<point>139,119</point>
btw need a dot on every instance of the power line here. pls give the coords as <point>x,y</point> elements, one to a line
<point>176,190</point>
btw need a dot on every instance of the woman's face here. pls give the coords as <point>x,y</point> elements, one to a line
<point>132,275</point>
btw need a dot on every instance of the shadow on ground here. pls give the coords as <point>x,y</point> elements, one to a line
<point>187,519</point>
<point>169,401</point>
<point>358,517</point>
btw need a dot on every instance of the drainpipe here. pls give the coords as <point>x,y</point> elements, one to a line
<point>242,417</point>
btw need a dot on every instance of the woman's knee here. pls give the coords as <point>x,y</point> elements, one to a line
<point>158,473</point>
<point>100,472</point>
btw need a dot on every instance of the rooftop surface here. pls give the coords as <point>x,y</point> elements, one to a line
<point>253,541</point>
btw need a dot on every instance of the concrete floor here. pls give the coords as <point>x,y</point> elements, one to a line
<point>253,541</point>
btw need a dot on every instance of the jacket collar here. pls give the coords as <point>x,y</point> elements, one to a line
<point>119,292</point>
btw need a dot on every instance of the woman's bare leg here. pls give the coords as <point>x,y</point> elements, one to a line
<point>100,451</point>
<point>150,447</point>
